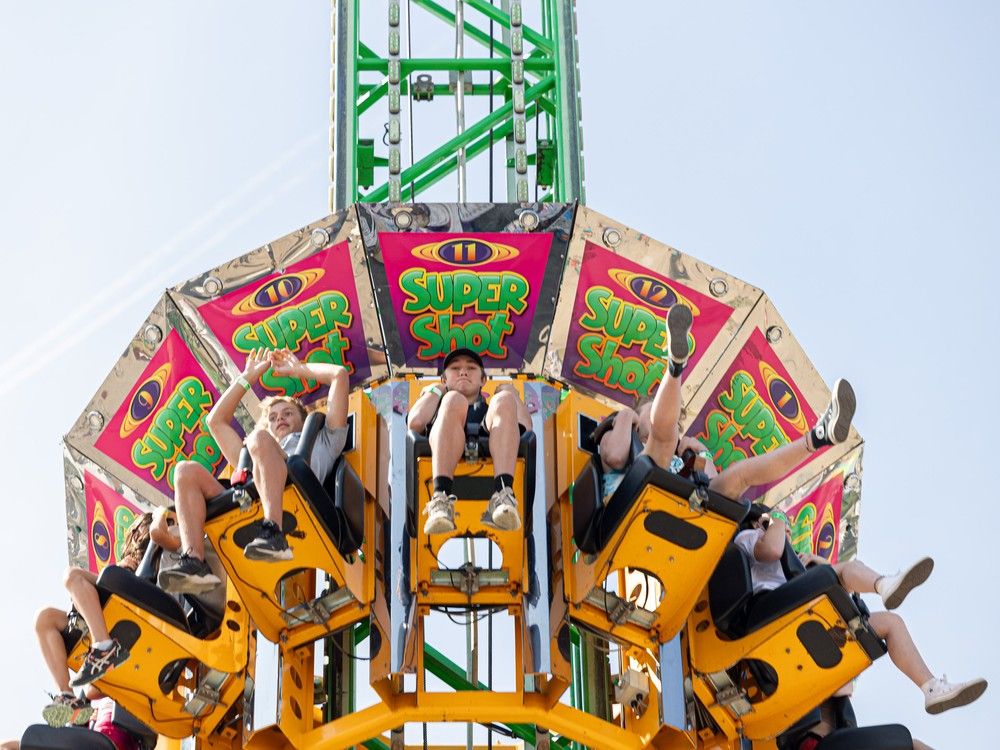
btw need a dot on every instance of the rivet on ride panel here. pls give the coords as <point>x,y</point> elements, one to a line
<point>152,334</point>
<point>319,237</point>
<point>212,286</point>
<point>403,219</point>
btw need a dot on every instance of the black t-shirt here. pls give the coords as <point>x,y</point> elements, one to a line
<point>473,418</point>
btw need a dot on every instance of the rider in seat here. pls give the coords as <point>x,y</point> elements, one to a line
<point>764,544</point>
<point>447,411</point>
<point>275,436</point>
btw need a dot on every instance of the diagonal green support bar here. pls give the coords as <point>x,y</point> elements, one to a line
<point>503,19</point>
<point>474,33</point>
<point>454,677</point>
<point>410,191</point>
<point>471,134</point>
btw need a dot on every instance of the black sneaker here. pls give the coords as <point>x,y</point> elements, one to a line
<point>98,662</point>
<point>66,709</point>
<point>189,575</point>
<point>269,545</point>
<point>679,320</point>
<point>835,424</point>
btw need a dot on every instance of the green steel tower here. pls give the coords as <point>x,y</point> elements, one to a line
<point>517,92</point>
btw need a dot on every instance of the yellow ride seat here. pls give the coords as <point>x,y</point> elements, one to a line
<point>760,668</point>
<point>473,486</point>
<point>329,526</point>
<point>186,665</point>
<point>655,522</point>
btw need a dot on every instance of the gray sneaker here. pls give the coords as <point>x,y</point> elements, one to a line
<point>189,575</point>
<point>66,709</point>
<point>503,510</point>
<point>270,544</point>
<point>679,320</point>
<point>440,512</point>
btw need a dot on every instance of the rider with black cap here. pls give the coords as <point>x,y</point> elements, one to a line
<point>447,412</point>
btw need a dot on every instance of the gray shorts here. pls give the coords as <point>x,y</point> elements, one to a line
<point>327,448</point>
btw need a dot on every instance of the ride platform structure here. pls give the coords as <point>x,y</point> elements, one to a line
<point>612,622</point>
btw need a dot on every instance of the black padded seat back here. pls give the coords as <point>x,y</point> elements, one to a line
<point>44,737</point>
<point>131,588</point>
<point>202,621</point>
<point>645,472</point>
<point>587,499</point>
<point>884,737</point>
<point>729,591</point>
<point>150,563</point>
<point>301,475</point>
<point>791,737</point>
<point>348,493</point>
<point>146,737</point>
<point>817,581</point>
<point>790,562</point>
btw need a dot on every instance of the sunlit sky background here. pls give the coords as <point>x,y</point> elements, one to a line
<point>841,156</point>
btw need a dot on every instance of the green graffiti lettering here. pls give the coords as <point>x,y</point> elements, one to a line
<point>293,327</point>
<point>718,438</point>
<point>123,518</point>
<point>312,320</point>
<point>163,441</point>
<point>596,302</point>
<point>802,528</point>
<point>741,392</point>
<point>413,283</point>
<point>624,322</point>
<point>750,415</point>
<point>438,335</point>
<point>458,291</point>
<point>601,362</point>
<point>512,293</point>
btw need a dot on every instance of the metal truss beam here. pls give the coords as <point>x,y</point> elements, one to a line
<point>521,59</point>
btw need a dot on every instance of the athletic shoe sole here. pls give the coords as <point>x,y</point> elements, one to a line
<point>918,573</point>
<point>438,525</point>
<point>845,403</point>
<point>57,715</point>
<point>963,697</point>
<point>679,319</point>
<point>506,518</point>
<point>177,583</point>
<point>266,555</point>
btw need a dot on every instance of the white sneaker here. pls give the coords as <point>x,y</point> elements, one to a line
<point>503,510</point>
<point>440,512</point>
<point>893,589</point>
<point>940,695</point>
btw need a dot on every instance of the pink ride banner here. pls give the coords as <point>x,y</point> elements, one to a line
<point>109,516</point>
<point>311,309</point>
<point>618,334</point>
<point>162,419</point>
<point>476,290</point>
<point>755,408</point>
<point>815,520</point>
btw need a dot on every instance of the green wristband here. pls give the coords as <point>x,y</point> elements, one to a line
<point>244,382</point>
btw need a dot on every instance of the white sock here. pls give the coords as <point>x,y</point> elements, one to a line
<point>102,645</point>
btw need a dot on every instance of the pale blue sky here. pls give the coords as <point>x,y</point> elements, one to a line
<point>841,156</point>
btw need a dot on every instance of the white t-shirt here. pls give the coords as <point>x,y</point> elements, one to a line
<point>766,576</point>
